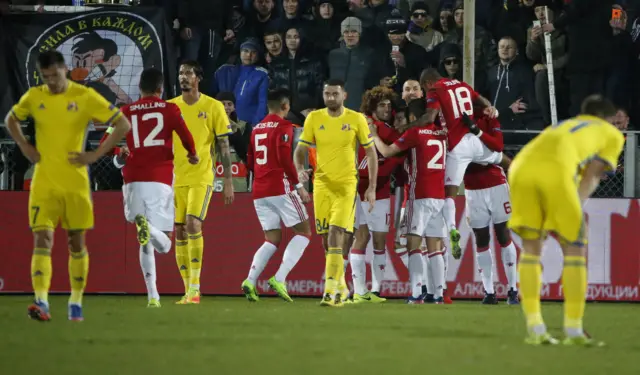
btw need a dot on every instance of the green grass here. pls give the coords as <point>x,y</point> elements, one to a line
<point>231,336</point>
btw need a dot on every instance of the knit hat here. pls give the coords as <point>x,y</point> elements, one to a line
<point>226,96</point>
<point>320,2</point>
<point>351,24</point>
<point>420,5</point>
<point>396,24</point>
<point>251,44</point>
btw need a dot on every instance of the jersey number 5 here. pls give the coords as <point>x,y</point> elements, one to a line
<point>150,140</point>
<point>437,161</point>
<point>261,148</point>
<point>461,101</point>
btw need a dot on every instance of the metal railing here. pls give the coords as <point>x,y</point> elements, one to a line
<point>15,169</point>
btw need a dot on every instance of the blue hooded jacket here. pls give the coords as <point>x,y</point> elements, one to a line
<point>250,85</point>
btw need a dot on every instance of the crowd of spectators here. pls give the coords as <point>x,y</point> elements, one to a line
<point>247,47</point>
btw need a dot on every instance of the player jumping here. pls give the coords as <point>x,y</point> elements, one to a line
<point>551,178</point>
<point>377,106</point>
<point>427,145</point>
<point>488,202</point>
<point>454,100</point>
<point>60,191</point>
<point>208,122</point>
<point>147,171</point>
<point>277,195</point>
<point>335,131</point>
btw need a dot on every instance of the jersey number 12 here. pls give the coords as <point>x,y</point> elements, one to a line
<point>461,101</point>
<point>150,139</point>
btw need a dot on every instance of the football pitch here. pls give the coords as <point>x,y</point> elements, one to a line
<point>228,335</point>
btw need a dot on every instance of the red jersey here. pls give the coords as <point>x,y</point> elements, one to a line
<point>426,160</point>
<point>386,166</point>
<point>150,140</point>
<point>453,98</point>
<point>269,157</point>
<point>486,176</point>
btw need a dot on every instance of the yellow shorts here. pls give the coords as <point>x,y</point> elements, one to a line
<point>193,201</point>
<point>334,208</point>
<point>47,208</point>
<point>544,199</point>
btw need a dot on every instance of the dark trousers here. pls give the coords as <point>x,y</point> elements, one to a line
<point>583,84</point>
<point>204,47</point>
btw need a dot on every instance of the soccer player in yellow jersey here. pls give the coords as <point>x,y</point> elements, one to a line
<point>60,189</point>
<point>193,186</point>
<point>336,132</point>
<point>551,178</point>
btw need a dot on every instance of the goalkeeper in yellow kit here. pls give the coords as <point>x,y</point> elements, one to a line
<point>551,178</point>
<point>335,131</point>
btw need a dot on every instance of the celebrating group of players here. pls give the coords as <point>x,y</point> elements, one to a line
<point>448,136</point>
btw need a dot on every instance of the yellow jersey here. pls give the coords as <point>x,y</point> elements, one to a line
<point>61,127</point>
<point>206,120</point>
<point>336,140</point>
<point>573,143</point>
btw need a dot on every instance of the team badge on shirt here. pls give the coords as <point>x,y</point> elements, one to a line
<point>285,138</point>
<point>202,114</point>
<point>41,106</point>
<point>346,127</point>
<point>72,107</point>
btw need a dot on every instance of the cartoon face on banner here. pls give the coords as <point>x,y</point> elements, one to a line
<point>103,50</point>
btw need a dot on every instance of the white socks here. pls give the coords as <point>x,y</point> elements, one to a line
<point>485,264</point>
<point>415,272</point>
<point>292,254</point>
<point>148,265</point>
<point>510,262</point>
<point>404,256</point>
<point>358,271</point>
<point>436,269</point>
<point>260,260</point>
<point>377,269</point>
<point>449,212</point>
<point>426,277</point>
<point>159,240</point>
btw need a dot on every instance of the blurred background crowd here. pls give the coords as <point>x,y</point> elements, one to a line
<point>247,47</point>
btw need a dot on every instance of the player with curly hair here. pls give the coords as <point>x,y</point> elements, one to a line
<point>377,106</point>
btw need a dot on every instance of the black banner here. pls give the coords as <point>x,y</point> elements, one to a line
<point>105,48</point>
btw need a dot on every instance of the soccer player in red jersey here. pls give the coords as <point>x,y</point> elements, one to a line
<point>426,158</point>
<point>147,171</point>
<point>454,101</point>
<point>377,107</point>
<point>489,202</point>
<point>277,195</point>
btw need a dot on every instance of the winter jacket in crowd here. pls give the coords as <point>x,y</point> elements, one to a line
<point>250,85</point>
<point>356,66</point>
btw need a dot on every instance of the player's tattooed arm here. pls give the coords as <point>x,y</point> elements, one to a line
<point>225,155</point>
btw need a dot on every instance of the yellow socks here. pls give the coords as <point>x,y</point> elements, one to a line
<point>333,270</point>
<point>78,271</point>
<point>41,273</point>
<point>574,286</point>
<point>182,259</point>
<point>196,248</point>
<point>530,285</point>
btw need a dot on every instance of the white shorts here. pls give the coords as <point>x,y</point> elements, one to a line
<point>469,150</point>
<point>376,220</point>
<point>286,207</point>
<point>425,218</point>
<point>154,200</point>
<point>486,206</point>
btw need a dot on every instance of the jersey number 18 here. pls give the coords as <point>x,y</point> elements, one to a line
<point>461,101</point>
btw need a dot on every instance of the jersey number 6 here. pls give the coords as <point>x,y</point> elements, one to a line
<point>461,101</point>
<point>150,140</point>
